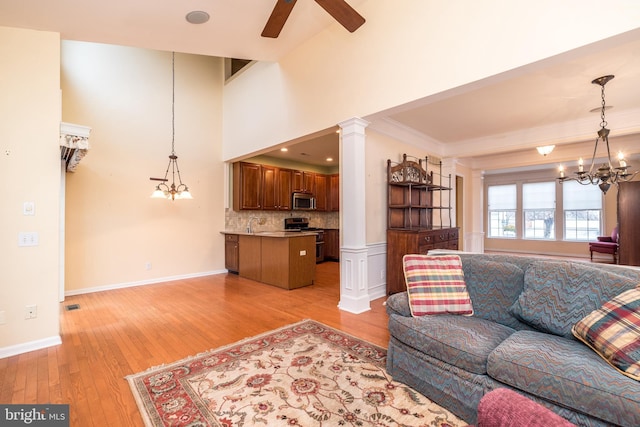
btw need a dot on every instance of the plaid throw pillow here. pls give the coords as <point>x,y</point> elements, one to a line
<point>613,331</point>
<point>435,285</point>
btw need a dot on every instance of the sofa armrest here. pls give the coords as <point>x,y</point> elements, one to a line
<point>604,239</point>
<point>398,304</point>
<point>506,408</point>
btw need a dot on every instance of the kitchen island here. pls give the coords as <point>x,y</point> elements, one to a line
<point>280,258</point>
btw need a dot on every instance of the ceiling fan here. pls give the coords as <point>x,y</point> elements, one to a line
<point>339,9</point>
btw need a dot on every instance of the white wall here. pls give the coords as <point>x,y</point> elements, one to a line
<point>29,171</point>
<point>113,228</point>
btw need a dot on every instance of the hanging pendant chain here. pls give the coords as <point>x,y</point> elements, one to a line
<point>173,102</point>
<point>603,124</point>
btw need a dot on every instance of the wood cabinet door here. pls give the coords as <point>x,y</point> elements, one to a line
<point>321,184</point>
<point>285,182</point>
<point>304,182</point>
<point>270,190</point>
<point>231,253</point>
<point>247,186</point>
<point>332,244</point>
<point>334,193</point>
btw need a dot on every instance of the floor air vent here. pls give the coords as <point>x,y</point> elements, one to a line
<point>72,307</point>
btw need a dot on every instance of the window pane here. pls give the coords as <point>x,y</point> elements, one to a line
<point>582,211</point>
<point>538,203</point>
<point>539,224</point>
<point>501,200</point>
<point>539,195</point>
<point>502,224</point>
<point>582,225</point>
<point>502,197</point>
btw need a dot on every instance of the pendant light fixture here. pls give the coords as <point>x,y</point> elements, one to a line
<point>163,190</point>
<point>606,174</point>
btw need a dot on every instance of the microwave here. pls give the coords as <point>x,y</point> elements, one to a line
<point>303,201</point>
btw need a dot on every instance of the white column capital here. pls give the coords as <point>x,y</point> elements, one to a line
<point>353,125</point>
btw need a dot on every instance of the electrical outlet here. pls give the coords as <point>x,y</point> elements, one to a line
<point>31,312</point>
<point>303,253</point>
<point>147,266</point>
<point>382,274</point>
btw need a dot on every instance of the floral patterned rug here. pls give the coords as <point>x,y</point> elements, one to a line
<point>305,374</point>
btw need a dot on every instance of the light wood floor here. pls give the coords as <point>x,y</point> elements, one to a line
<point>121,332</point>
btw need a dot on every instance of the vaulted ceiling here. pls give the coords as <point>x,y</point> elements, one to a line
<point>528,105</point>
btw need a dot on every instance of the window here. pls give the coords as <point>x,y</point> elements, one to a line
<point>502,210</point>
<point>538,205</point>
<point>582,206</point>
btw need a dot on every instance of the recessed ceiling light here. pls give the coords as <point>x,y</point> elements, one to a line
<point>329,159</point>
<point>284,149</point>
<point>197,17</point>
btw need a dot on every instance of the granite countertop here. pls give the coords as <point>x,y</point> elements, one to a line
<point>273,233</point>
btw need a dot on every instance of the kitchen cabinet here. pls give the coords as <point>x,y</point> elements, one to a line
<point>304,182</point>
<point>321,192</point>
<point>414,196</point>
<point>231,253</point>
<point>334,193</point>
<point>276,188</point>
<point>261,187</point>
<point>332,244</point>
<point>247,186</point>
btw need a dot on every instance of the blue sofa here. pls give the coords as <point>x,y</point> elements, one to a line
<point>519,337</point>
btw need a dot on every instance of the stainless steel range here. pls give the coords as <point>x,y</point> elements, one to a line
<point>302,224</point>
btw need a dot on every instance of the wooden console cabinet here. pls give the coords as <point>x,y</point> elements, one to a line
<point>401,242</point>
<point>416,197</point>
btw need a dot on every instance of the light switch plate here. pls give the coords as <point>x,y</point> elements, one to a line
<point>28,208</point>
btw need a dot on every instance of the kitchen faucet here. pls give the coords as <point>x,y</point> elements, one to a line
<point>261,221</point>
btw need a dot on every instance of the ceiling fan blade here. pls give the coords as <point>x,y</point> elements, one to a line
<point>343,13</point>
<point>279,15</point>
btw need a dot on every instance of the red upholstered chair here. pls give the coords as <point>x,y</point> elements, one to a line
<point>606,245</point>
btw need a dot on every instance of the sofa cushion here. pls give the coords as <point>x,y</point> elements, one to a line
<point>435,285</point>
<point>462,341</point>
<point>493,287</point>
<point>557,294</point>
<point>568,373</point>
<point>613,332</point>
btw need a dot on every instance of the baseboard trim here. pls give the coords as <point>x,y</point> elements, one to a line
<point>141,283</point>
<point>26,347</point>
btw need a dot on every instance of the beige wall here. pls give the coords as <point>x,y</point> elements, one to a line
<point>402,54</point>
<point>380,148</point>
<point>113,228</point>
<point>29,171</point>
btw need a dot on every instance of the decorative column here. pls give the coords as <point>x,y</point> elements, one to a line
<point>474,240</point>
<point>354,288</point>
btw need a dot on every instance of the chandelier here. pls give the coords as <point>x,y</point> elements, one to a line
<point>163,190</point>
<point>606,174</point>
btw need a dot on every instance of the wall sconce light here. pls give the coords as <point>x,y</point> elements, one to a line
<point>545,149</point>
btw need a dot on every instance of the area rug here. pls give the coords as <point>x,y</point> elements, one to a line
<point>305,374</point>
